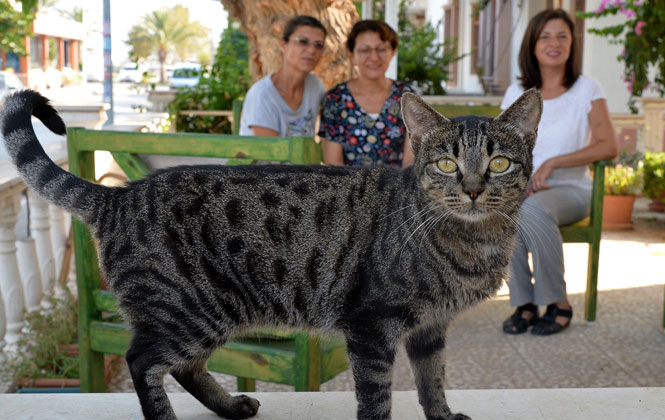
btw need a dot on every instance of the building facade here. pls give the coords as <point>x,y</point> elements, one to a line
<point>493,36</point>
<point>53,53</point>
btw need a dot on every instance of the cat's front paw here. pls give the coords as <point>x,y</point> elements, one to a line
<point>460,416</point>
<point>243,407</point>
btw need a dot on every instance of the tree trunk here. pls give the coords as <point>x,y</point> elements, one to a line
<point>263,21</point>
<point>161,56</point>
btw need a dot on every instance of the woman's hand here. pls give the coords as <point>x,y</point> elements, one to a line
<point>333,153</point>
<point>539,178</point>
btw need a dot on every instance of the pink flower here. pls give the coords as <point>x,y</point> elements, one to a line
<point>638,3</point>
<point>638,28</point>
<point>603,4</point>
<point>629,14</point>
<point>623,53</point>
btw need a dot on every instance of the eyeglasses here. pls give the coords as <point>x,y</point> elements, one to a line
<point>305,43</point>
<point>366,52</point>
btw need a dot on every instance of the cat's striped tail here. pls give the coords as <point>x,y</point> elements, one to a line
<point>73,194</point>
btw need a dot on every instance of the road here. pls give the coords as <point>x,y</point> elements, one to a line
<point>127,101</point>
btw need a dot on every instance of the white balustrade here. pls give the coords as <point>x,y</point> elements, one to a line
<point>39,229</point>
<point>58,235</point>
<point>30,276</point>
<point>10,279</point>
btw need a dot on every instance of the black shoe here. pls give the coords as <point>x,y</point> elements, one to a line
<point>517,324</point>
<point>548,325</point>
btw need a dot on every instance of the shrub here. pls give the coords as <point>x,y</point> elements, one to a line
<point>654,176</point>
<point>228,79</point>
<point>42,350</point>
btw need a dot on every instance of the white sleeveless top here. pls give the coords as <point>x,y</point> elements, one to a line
<point>563,128</point>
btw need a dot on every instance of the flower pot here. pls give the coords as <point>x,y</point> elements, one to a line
<point>618,212</point>
<point>658,204</point>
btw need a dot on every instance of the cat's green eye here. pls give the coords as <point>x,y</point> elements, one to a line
<point>499,164</point>
<point>446,165</point>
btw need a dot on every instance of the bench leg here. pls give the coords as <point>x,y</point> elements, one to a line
<point>246,384</point>
<point>308,363</point>
<point>591,296</point>
<point>664,310</point>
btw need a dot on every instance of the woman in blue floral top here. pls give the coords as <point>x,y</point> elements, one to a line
<point>361,119</point>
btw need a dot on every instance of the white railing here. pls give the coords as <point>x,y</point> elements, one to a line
<point>29,263</point>
<point>34,265</point>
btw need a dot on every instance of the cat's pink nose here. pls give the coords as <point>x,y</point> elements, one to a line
<point>474,193</point>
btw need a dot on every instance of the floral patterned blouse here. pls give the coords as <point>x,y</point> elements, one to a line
<point>365,140</point>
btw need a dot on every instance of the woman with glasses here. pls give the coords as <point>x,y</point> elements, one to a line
<point>361,120</point>
<point>286,103</point>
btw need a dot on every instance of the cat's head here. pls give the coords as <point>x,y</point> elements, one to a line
<point>474,166</point>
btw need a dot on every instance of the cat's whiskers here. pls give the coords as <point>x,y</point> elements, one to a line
<point>531,228</point>
<point>433,225</point>
<point>398,210</point>
<point>428,207</point>
<point>416,230</point>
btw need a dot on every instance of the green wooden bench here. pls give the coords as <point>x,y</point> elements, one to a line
<point>297,358</point>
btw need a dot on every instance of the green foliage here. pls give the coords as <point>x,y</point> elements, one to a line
<point>643,41</point>
<point>622,180</point>
<point>41,350</point>
<point>165,32</point>
<point>15,25</point>
<point>654,176</point>
<point>421,59</point>
<point>227,80</point>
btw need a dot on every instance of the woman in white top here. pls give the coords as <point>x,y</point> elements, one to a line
<point>286,103</point>
<point>560,187</point>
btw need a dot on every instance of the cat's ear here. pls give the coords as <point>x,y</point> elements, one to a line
<point>524,114</point>
<point>419,117</point>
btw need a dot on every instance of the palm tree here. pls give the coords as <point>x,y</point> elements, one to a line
<point>163,32</point>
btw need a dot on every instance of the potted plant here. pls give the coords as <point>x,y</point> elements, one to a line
<point>622,183</point>
<point>47,354</point>
<point>654,180</point>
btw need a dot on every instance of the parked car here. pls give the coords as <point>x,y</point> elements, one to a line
<point>185,75</point>
<point>9,82</point>
<point>130,72</point>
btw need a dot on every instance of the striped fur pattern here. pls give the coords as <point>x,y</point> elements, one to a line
<point>197,255</point>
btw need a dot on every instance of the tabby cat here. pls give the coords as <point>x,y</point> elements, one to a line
<point>197,254</point>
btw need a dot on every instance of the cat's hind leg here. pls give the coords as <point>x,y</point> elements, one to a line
<point>194,377</point>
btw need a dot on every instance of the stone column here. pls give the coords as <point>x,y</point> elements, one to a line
<point>654,109</point>
<point>10,279</point>
<point>39,229</point>
<point>30,276</point>
<point>58,242</point>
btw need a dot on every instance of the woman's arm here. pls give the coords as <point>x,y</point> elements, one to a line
<point>408,158</point>
<point>263,132</point>
<point>602,146</point>
<point>333,153</point>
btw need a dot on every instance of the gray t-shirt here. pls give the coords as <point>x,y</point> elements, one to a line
<point>265,107</point>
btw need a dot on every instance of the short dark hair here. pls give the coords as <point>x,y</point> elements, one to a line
<point>301,20</point>
<point>385,32</point>
<point>529,67</point>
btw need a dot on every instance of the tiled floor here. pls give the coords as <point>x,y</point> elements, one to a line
<point>625,347</point>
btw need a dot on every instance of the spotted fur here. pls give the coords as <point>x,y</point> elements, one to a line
<point>197,255</point>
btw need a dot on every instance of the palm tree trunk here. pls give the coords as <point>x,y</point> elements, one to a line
<point>161,55</point>
<point>263,21</point>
